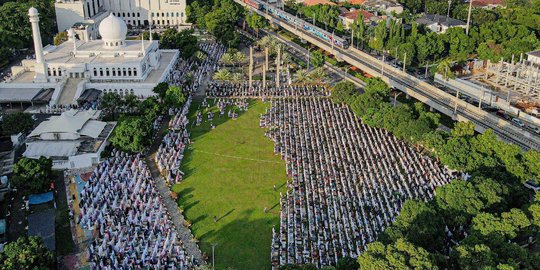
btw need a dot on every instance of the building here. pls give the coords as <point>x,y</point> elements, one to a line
<point>439,23</point>
<point>534,57</point>
<point>59,75</point>
<point>316,2</point>
<point>86,15</point>
<point>383,6</point>
<point>488,4</point>
<point>75,139</point>
<point>347,18</point>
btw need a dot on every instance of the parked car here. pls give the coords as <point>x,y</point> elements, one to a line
<point>518,122</point>
<point>534,128</point>
<point>503,115</point>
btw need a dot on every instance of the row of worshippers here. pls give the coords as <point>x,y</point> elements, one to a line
<point>130,225</point>
<point>171,150</point>
<point>198,69</point>
<point>228,89</point>
<point>348,180</point>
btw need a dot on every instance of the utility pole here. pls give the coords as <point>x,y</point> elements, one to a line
<point>449,5</point>
<point>425,73</point>
<point>404,60</point>
<point>213,264</point>
<point>469,18</point>
<point>308,60</point>
<point>457,99</point>
<point>250,67</point>
<point>264,77</point>
<point>382,65</point>
<point>278,62</point>
<point>266,57</point>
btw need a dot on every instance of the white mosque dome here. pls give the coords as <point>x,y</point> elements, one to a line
<point>113,31</point>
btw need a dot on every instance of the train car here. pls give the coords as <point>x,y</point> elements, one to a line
<point>254,4</point>
<point>289,18</point>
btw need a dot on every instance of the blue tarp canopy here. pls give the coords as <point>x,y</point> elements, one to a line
<point>40,198</point>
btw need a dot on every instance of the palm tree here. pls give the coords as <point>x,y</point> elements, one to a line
<point>318,75</point>
<point>227,59</point>
<point>237,77</point>
<point>239,57</point>
<point>444,68</point>
<point>222,75</point>
<point>301,76</point>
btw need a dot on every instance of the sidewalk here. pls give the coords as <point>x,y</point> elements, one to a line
<point>188,240</point>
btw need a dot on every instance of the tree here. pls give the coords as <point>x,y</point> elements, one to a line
<point>301,76</point>
<point>317,59</point>
<point>146,35</point>
<point>161,89</point>
<point>460,201</point>
<point>111,102</point>
<point>343,92</point>
<point>347,263</point>
<point>255,21</point>
<point>239,57</point>
<point>132,134</point>
<point>26,253</point>
<point>32,175</point>
<point>60,38</point>
<point>377,87</point>
<point>227,58</point>
<point>222,75</point>
<point>380,33</point>
<point>15,123</point>
<point>183,40</point>
<point>400,255</point>
<point>445,69</point>
<point>317,75</point>
<point>174,97</point>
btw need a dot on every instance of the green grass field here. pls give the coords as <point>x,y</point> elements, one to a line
<point>230,173</point>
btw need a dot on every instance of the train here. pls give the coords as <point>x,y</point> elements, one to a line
<point>289,18</point>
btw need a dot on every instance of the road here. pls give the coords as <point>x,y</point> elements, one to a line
<point>418,89</point>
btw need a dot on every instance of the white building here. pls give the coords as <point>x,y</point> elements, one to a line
<point>110,64</point>
<point>86,15</point>
<point>439,23</point>
<point>534,57</point>
<point>75,139</point>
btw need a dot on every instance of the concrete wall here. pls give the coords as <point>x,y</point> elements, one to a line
<point>68,14</point>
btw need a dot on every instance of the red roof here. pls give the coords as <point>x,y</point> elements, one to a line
<point>352,15</point>
<point>356,2</point>
<point>484,3</point>
<point>318,2</point>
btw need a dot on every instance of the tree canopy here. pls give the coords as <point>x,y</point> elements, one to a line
<point>14,123</point>
<point>26,253</point>
<point>32,175</point>
<point>183,40</point>
<point>132,134</point>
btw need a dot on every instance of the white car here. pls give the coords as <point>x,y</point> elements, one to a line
<point>518,122</point>
<point>534,128</point>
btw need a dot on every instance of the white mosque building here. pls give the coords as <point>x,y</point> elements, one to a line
<point>59,75</point>
<point>84,16</point>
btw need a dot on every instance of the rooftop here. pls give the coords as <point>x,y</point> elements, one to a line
<point>353,14</point>
<point>439,19</point>
<point>318,2</point>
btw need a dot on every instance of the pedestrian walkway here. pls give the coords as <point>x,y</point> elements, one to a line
<point>188,240</point>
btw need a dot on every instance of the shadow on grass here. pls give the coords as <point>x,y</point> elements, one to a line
<point>238,244</point>
<point>226,214</point>
<point>204,127</point>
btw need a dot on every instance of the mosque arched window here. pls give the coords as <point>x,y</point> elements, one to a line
<point>100,72</point>
<point>107,72</point>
